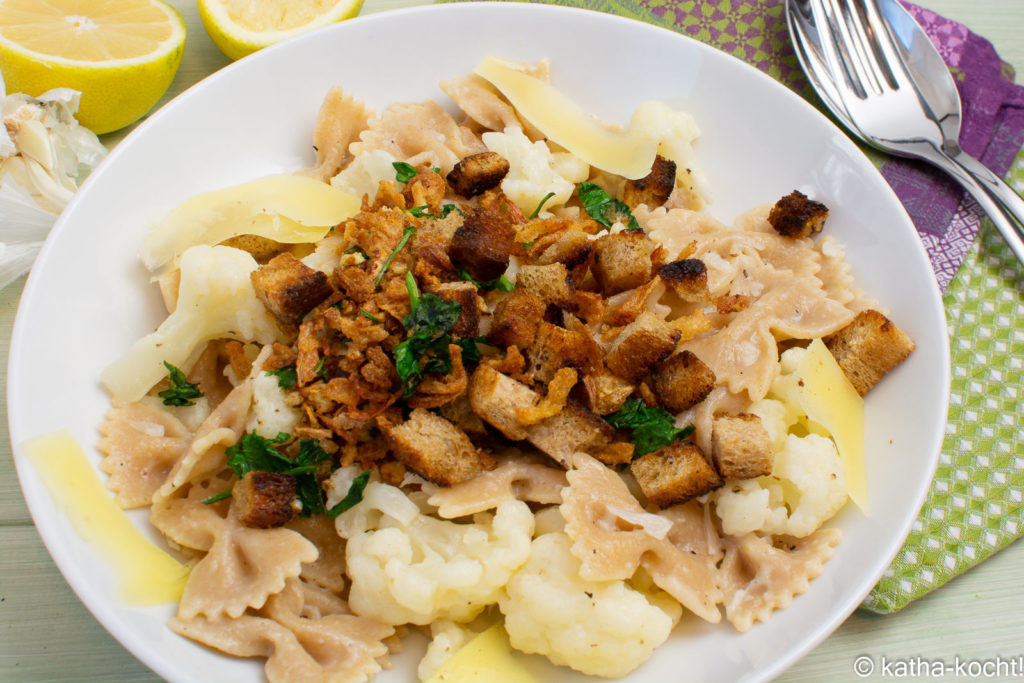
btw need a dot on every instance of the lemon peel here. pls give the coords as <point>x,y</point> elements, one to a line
<point>122,55</point>
<point>239,28</point>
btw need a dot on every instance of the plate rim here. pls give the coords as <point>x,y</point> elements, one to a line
<point>46,524</point>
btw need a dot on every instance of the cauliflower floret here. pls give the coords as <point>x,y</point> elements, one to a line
<point>363,176</point>
<point>216,299</point>
<point>447,638</point>
<point>407,567</point>
<point>327,254</point>
<point>270,413</point>
<point>675,132</point>
<point>532,173</point>
<point>602,628</point>
<point>807,480</point>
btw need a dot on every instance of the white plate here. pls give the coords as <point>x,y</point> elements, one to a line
<point>88,297</point>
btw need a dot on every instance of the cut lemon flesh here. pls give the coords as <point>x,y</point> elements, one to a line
<point>240,27</point>
<point>120,54</point>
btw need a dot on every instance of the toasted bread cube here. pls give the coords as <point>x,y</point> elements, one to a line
<point>797,216</point>
<point>435,449</point>
<point>622,261</point>
<point>426,188</point>
<point>495,397</point>
<point>604,393</point>
<point>549,282</point>
<point>654,188</point>
<point>465,294</point>
<point>869,347</point>
<point>289,288</point>
<point>688,278</point>
<point>674,474</point>
<point>556,347</point>
<point>264,499</point>
<point>573,430</point>
<point>460,413</point>
<point>515,320</point>
<point>740,446</point>
<point>485,240</point>
<point>682,381</point>
<point>261,248</point>
<point>646,341</point>
<point>478,173</point>
<point>575,250</point>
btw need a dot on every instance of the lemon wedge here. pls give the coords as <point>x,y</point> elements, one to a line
<point>120,54</point>
<point>240,27</point>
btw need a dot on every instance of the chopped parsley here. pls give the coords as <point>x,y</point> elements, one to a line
<point>421,211</point>
<point>287,377</point>
<point>370,316</point>
<point>652,428</point>
<point>354,495</point>
<point>321,368</point>
<point>181,390</point>
<point>254,453</point>
<point>429,323</point>
<point>536,212</point>
<point>502,283</point>
<point>406,236</point>
<point>604,208</point>
<point>217,497</point>
<point>404,172</point>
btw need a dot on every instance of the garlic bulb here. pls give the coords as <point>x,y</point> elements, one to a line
<point>44,156</point>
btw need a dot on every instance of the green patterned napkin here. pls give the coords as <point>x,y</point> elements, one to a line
<point>975,505</point>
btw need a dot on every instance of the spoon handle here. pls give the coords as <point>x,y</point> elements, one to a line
<point>1003,206</point>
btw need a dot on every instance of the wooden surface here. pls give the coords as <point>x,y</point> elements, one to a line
<point>47,635</point>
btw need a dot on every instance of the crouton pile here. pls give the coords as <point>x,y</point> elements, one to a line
<point>455,326</point>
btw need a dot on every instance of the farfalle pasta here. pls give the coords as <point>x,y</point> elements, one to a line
<point>517,384</point>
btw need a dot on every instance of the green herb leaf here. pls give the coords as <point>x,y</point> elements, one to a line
<point>470,350</point>
<point>406,236</point>
<point>355,250</point>
<point>430,320</point>
<point>254,453</point>
<point>652,428</point>
<point>604,208</point>
<point>420,211</point>
<point>369,316</point>
<point>217,497</point>
<point>448,208</point>
<point>536,212</point>
<point>404,172</point>
<point>502,283</point>
<point>287,377</point>
<point>321,370</point>
<point>354,495</point>
<point>181,390</point>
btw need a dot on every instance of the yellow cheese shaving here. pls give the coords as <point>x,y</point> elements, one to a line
<point>285,208</point>
<point>629,154</point>
<point>827,397</point>
<point>148,575</point>
<point>487,657</point>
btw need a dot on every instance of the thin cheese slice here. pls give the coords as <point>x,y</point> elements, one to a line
<point>148,575</point>
<point>828,398</point>
<point>487,657</point>
<point>285,208</point>
<point>629,154</point>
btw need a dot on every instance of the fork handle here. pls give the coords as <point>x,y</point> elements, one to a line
<point>1004,207</point>
<point>1004,194</point>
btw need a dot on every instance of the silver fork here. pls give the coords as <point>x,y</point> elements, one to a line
<point>861,72</point>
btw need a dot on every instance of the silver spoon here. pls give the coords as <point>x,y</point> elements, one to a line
<point>878,72</point>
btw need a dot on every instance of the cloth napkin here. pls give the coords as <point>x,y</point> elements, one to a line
<point>976,503</point>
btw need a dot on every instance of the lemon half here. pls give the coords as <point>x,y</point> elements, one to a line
<point>120,54</point>
<point>240,27</point>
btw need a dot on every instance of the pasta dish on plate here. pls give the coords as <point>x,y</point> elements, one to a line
<point>493,367</point>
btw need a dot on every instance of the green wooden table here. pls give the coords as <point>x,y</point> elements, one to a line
<point>47,635</point>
